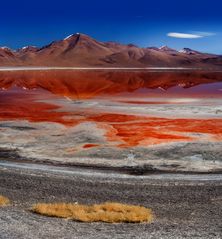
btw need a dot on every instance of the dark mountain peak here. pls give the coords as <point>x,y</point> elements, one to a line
<point>80,40</point>
<point>6,49</point>
<point>166,49</point>
<point>69,37</point>
<point>77,36</point>
<point>28,49</point>
<point>189,51</point>
<point>153,48</point>
<point>71,40</point>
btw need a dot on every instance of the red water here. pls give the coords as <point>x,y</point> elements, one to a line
<point>123,129</point>
<point>17,105</point>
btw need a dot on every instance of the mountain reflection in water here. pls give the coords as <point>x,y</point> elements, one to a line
<point>91,84</point>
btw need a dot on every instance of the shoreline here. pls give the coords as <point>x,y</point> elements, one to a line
<point>153,69</point>
<point>108,171</point>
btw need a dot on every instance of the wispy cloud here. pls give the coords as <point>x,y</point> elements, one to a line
<point>193,35</point>
<point>204,34</point>
<point>183,35</point>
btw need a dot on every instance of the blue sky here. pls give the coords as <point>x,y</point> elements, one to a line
<point>142,22</point>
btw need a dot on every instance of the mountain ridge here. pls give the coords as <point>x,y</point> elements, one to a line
<point>82,50</point>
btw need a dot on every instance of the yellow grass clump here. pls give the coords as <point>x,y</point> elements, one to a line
<point>106,212</point>
<point>4,201</point>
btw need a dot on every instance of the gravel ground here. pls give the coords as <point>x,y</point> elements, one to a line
<point>183,208</point>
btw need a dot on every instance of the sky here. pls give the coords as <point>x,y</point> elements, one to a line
<point>196,24</point>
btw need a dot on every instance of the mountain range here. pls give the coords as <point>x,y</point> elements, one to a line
<point>80,50</point>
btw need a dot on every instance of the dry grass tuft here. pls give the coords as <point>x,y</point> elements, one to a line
<point>106,212</point>
<point>4,201</point>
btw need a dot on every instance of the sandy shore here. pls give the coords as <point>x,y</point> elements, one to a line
<point>189,208</point>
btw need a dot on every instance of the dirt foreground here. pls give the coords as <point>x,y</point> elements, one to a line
<point>184,208</point>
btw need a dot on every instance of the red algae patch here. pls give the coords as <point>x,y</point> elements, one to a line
<point>20,106</point>
<point>148,102</point>
<point>135,130</point>
<point>116,118</point>
<point>85,146</point>
<point>109,212</point>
